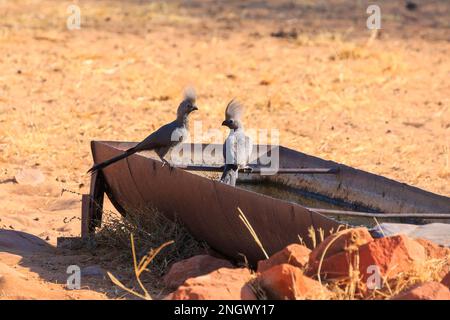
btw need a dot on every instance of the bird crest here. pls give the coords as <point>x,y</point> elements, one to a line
<point>189,94</point>
<point>234,110</point>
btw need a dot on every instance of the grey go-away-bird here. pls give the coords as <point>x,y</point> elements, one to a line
<point>166,137</point>
<point>237,148</point>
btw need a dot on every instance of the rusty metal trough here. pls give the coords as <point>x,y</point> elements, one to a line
<point>208,207</point>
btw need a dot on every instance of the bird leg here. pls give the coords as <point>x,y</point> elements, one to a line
<point>161,153</point>
<point>247,169</point>
<point>165,162</point>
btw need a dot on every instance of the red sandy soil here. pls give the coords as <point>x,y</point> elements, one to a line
<point>381,106</point>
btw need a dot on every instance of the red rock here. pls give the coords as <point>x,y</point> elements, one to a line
<point>333,267</point>
<point>341,242</point>
<point>390,255</point>
<point>294,254</point>
<point>222,284</point>
<point>433,250</point>
<point>285,281</point>
<point>446,280</point>
<point>193,267</point>
<point>426,291</point>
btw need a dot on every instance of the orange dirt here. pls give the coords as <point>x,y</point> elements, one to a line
<point>383,107</point>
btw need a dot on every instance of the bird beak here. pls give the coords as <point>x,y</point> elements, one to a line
<point>225,123</point>
<point>194,108</point>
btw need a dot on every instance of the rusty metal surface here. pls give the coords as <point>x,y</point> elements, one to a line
<point>359,187</point>
<point>119,180</point>
<point>209,208</point>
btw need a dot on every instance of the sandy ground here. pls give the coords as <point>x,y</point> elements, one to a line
<point>382,106</point>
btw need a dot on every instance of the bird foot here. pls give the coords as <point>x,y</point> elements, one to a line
<point>167,163</point>
<point>247,169</point>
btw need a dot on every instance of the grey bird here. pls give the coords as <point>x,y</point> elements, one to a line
<point>237,148</point>
<point>166,137</point>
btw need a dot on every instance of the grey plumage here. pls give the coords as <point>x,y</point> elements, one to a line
<point>166,137</point>
<point>237,148</point>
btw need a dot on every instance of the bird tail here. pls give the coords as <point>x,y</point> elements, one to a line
<point>106,163</point>
<point>230,174</point>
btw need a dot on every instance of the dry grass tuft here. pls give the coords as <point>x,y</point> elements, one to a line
<point>150,228</point>
<point>427,271</point>
<point>139,269</point>
<point>393,283</point>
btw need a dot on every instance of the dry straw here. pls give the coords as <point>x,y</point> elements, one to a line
<point>252,231</point>
<point>150,228</point>
<point>139,269</point>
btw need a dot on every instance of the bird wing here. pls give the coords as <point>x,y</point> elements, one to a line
<point>160,138</point>
<point>237,149</point>
<point>229,149</point>
<point>243,149</point>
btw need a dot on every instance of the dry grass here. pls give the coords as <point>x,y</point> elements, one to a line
<point>393,283</point>
<point>351,287</point>
<point>149,229</point>
<point>139,269</point>
<point>252,232</point>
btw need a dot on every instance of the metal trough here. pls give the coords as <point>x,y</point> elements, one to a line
<point>208,208</point>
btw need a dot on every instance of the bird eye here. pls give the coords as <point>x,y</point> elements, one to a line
<point>231,121</point>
